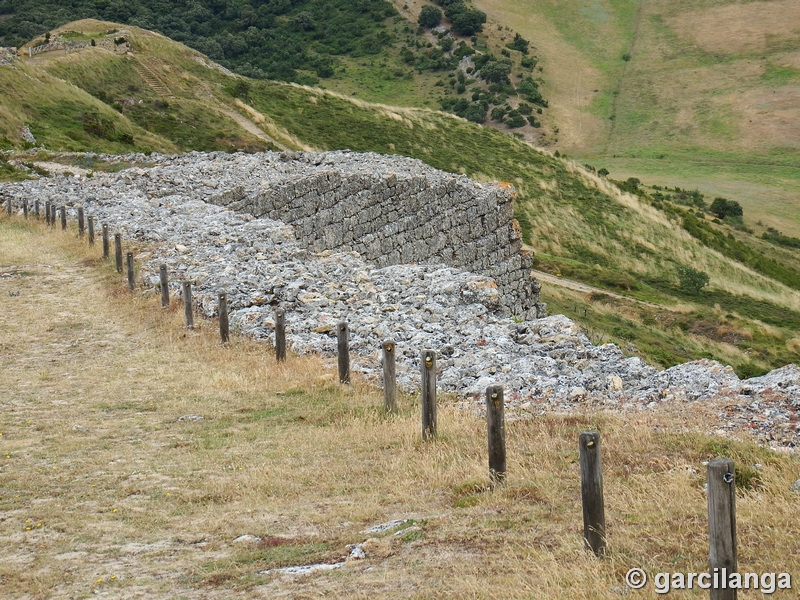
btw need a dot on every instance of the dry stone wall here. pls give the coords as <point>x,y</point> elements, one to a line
<point>394,210</point>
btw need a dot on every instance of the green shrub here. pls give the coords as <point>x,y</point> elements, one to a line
<point>776,237</point>
<point>692,281</point>
<point>722,207</point>
<point>519,43</point>
<point>430,16</point>
<point>528,89</point>
<point>475,113</point>
<point>496,71</point>
<point>515,120</point>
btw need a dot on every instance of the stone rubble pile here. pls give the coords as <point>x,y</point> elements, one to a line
<point>545,363</point>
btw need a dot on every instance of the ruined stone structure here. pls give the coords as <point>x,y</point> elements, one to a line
<point>393,210</point>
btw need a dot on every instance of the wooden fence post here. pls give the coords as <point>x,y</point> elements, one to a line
<point>594,514</point>
<point>25,208</point>
<point>187,304</point>
<point>90,222</point>
<point>722,525</point>
<point>81,225</point>
<point>118,251</point>
<point>131,275</point>
<point>62,211</point>
<point>36,208</point>
<point>106,252</point>
<point>162,275</point>
<point>280,334</point>
<point>47,212</point>
<point>224,332</point>
<point>428,394</point>
<point>343,351</point>
<point>389,377</point>
<point>496,433</point>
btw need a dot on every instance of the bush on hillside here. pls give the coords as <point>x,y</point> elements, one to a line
<point>528,89</point>
<point>692,281</point>
<point>519,43</point>
<point>722,207</point>
<point>496,71</point>
<point>515,120</point>
<point>465,20</point>
<point>475,113</point>
<point>430,16</point>
<point>469,22</point>
<point>776,237</point>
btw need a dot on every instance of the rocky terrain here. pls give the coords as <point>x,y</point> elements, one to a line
<point>543,364</point>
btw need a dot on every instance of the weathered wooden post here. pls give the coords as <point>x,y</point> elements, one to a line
<point>496,433</point>
<point>722,525</point>
<point>36,209</point>
<point>428,394</point>
<point>343,350</point>
<point>106,252</point>
<point>162,276</point>
<point>62,211</point>
<point>224,332</point>
<point>81,225</point>
<point>47,212</point>
<point>118,251</point>
<point>594,514</point>
<point>187,304</point>
<point>25,208</point>
<point>389,376</point>
<point>280,334</point>
<point>131,276</point>
<point>90,223</point>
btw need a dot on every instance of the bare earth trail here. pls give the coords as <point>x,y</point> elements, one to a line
<point>587,289</point>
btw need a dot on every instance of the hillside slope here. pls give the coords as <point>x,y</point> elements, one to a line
<point>694,93</point>
<point>578,223</point>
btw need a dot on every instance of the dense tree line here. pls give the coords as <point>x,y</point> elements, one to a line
<point>272,39</point>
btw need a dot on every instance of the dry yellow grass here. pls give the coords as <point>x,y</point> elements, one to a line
<point>738,28</point>
<point>105,490</point>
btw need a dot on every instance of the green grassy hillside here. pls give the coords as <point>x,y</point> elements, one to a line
<point>63,116</point>
<point>579,224</point>
<point>695,93</point>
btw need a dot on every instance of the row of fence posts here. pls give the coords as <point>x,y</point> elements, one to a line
<point>721,478</point>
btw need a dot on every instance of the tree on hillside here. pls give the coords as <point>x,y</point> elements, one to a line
<point>692,280</point>
<point>496,71</point>
<point>430,16</point>
<point>465,20</point>
<point>468,22</point>
<point>722,207</point>
<point>241,89</point>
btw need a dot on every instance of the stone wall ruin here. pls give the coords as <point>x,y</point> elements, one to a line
<point>394,210</point>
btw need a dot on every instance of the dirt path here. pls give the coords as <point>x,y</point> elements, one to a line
<point>250,126</point>
<point>587,289</point>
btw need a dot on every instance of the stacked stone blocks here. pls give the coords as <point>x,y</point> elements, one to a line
<point>404,218</point>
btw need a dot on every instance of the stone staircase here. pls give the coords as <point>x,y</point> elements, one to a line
<point>146,72</point>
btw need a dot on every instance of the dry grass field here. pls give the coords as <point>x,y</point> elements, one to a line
<point>107,492</point>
